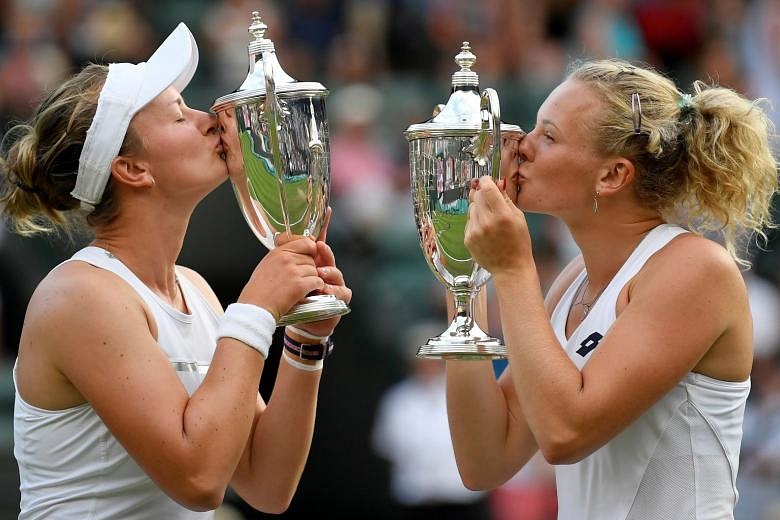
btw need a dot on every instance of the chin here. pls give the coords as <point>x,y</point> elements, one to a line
<point>525,207</point>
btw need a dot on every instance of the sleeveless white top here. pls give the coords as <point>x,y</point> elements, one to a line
<point>70,465</point>
<point>679,459</point>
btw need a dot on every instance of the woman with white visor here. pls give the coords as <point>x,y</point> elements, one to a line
<point>135,396</point>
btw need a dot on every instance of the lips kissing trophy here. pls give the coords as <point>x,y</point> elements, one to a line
<point>275,134</point>
<point>460,143</point>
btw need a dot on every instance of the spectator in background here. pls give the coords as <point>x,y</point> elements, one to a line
<point>362,170</point>
<point>606,28</point>
<point>225,27</point>
<point>761,53</point>
<point>759,473</point>
<point>411,432</point>
<point>30,59</point>
<point>529,495</point>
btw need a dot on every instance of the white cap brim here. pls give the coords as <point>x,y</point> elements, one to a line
<point>129,88</point>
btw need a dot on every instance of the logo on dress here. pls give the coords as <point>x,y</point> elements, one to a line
<point>589,343</point>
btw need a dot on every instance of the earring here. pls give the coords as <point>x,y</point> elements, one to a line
<point>596,202</point>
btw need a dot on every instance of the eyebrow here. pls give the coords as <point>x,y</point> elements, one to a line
<point>548,122</point>
<point>178,101</point>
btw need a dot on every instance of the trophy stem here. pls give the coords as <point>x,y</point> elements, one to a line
<point>464,308</point>
<point>463,339</point>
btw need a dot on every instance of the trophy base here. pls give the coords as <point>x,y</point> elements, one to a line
<point>463,342</point>
<point>316,308</point>
<point>462,351</point>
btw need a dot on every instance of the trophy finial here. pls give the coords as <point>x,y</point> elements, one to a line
<point>260,43</point>
<point>465,77</point>
<point>465,58</point>
<point>257,28</point>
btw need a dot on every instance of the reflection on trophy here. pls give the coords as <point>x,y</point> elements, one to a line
<point>275,134</point>
<point>460,143</point>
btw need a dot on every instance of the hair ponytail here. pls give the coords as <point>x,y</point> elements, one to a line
<point>702,160</point>
<point>731,173</point>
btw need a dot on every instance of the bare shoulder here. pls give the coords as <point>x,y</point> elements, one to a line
<point>692,259</point>
<point>73,310</point>
<point>562,282</point>
<point>695,286</point>
<point>76,293</point>
<point>203,286</point>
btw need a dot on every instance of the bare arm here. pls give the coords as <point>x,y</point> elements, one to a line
<point>271,467</point>
<point>273,462</point>
<point>489,434</point>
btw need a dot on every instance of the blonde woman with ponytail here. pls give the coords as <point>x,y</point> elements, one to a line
<point>631,375</point>
<point>136,396</point>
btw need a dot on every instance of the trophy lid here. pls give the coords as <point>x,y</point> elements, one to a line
<point>461,116</point>
<point>260,49</point>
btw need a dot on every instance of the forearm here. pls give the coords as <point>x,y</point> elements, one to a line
<point>478,413</point>
<point>547,383</point>
<point>220,414</point>
<point>479,423</point>
<point>281,441</point>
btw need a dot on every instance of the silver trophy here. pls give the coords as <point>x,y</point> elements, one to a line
<point>275,134</point>
<point>460,143</point>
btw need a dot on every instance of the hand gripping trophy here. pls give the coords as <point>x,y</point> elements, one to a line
<point>460,143</point>
<point>275,133</point>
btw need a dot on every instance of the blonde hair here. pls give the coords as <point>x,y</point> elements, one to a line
<point>702,160</point>
<point>40,159</point>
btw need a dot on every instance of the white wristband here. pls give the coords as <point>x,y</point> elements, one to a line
<point>249,324</point>
<point>313,367</point>
<point>302,333</point>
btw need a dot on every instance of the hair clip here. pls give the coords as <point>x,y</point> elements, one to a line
<point>636,110</point>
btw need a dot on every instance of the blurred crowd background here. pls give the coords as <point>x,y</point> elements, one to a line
<point>381,447</point>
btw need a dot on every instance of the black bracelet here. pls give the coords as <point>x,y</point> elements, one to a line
<point>308,351</point>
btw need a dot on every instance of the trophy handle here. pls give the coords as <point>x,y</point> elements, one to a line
<point>316,148</point>
<point>489,103</point>
<point>272,114</point>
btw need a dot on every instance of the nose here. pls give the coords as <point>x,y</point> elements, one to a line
<point>210,123</point>
<point>525,148</point>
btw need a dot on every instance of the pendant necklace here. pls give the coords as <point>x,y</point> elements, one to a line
<point>587,306</point>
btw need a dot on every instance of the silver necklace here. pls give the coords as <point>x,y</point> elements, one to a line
<point>587,306</point>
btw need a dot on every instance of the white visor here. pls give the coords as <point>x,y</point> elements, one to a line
<point>129,88</point>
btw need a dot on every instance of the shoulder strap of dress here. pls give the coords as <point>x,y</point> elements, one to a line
<point>655,240</point>
<point>103,259</point>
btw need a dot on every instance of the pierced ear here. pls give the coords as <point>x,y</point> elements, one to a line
<point>131,172</point>
<point>616,176</point>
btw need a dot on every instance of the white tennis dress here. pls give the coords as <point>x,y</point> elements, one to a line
<point>679,459</point>
<point>70,465</point>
